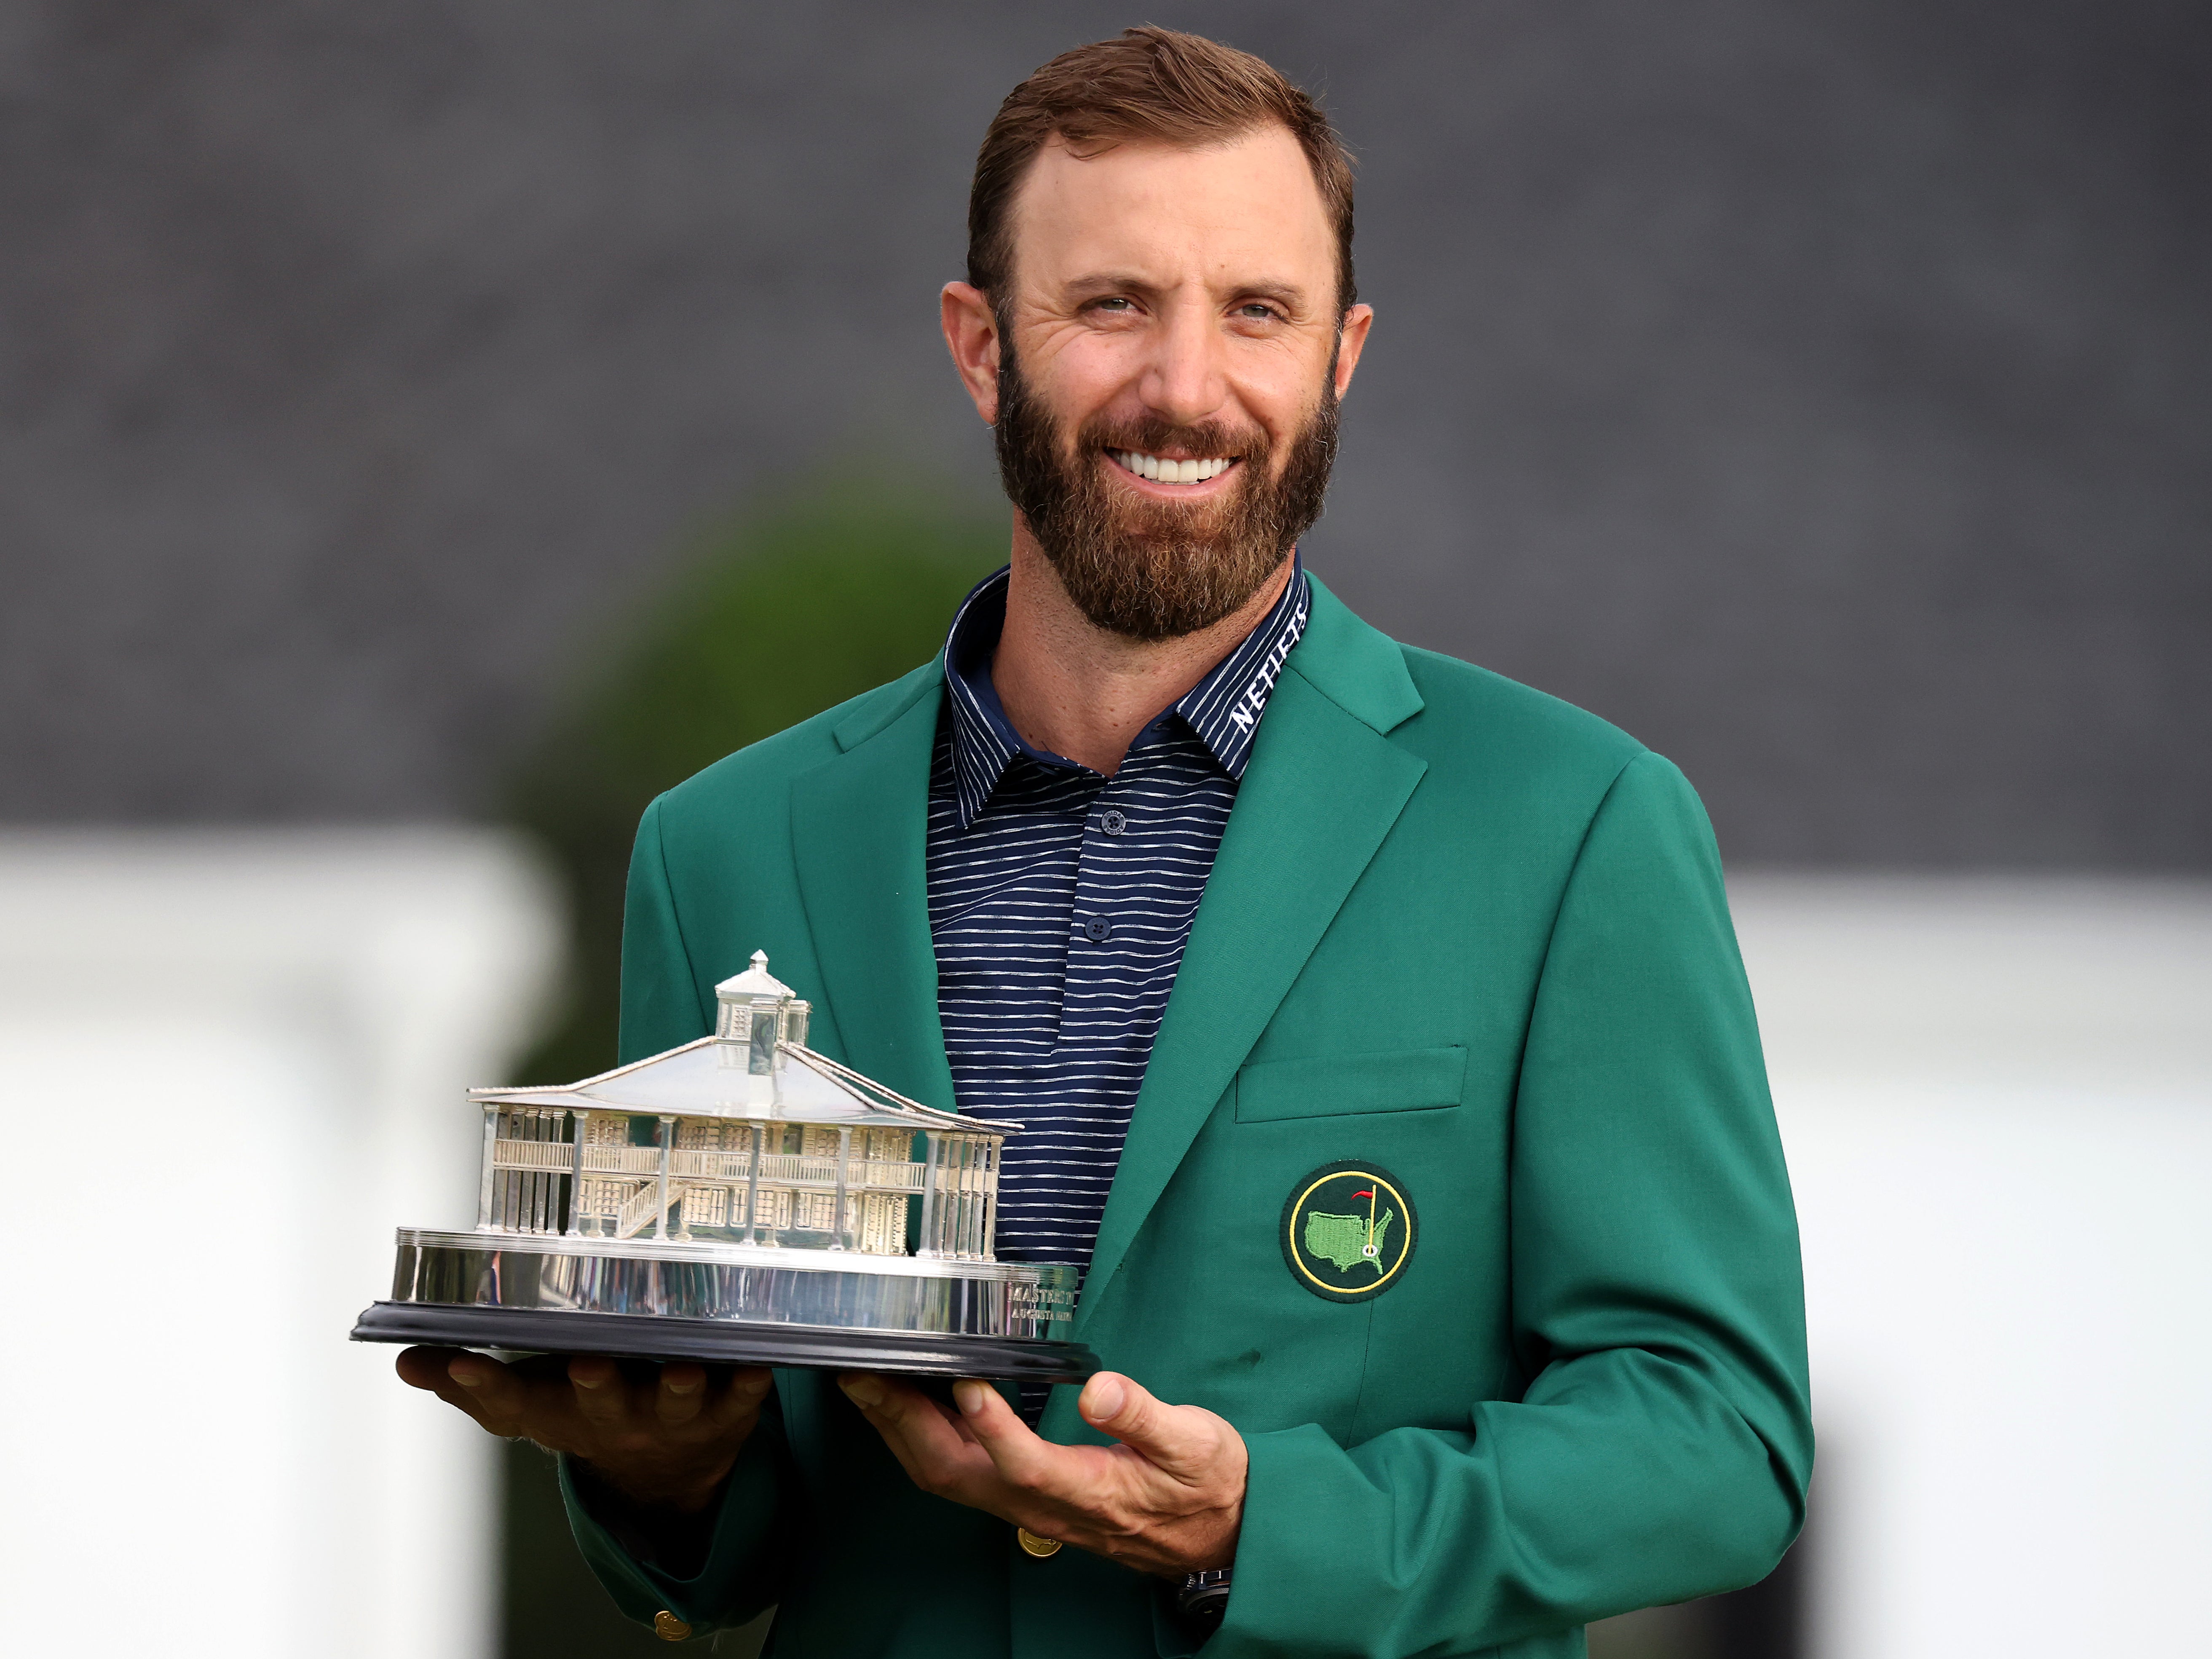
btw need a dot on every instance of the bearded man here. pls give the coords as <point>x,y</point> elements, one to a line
<point>1376,1025</point>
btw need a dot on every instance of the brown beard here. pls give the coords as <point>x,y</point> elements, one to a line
<point>1158,570</point>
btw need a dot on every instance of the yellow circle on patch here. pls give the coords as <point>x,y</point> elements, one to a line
<point>1348,1231</point>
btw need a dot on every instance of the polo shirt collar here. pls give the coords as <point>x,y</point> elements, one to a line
<point>1223,709</point>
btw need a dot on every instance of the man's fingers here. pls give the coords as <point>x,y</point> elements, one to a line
<point>484,1377</point>
<point>882,1401</point>
<point>931,1450</point>
<point>486,1390</point>
<point>430,1369</point>
<point>498,1397</point>
<point>1175,1437</point>
<point>682,1392</point>
<point>1171,1495</point>
<point>1023,1459</point>
<point>879,1403</point>
<point>425,1368</point>
<point>602,1396</point>
<point>742,1396</point>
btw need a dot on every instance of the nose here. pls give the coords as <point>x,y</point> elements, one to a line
<point>1183,382</point>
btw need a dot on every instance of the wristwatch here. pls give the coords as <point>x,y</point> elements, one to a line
<point>1203,1597</point>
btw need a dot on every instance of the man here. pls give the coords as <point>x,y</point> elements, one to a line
<point>1376,1023</point>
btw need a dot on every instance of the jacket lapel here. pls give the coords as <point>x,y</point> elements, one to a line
<point>1323,787</point>
<point>859,832</point>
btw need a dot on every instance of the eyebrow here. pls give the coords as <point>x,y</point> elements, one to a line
<point>1288,294</point>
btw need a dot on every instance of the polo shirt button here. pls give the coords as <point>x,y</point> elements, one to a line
<point>1098,930</point>
<point>1113,823</point>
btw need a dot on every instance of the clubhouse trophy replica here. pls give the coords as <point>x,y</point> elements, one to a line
<point>739,1200</point>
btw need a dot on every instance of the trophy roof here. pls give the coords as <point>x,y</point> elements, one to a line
<point>693,1081</point>
<point>755,981</point>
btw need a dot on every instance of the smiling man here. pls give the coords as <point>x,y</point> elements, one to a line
<point>1376,1025</point>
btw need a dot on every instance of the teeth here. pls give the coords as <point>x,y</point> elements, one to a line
<point>1160,472</point>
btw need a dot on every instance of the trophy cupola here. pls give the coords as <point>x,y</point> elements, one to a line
<point>755,1011</point>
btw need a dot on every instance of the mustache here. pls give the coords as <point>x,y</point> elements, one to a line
<point>1151,435</point>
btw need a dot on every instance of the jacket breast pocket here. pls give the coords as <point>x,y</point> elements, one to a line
<point>1331,1085</point>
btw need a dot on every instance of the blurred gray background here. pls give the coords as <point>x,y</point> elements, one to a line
<point>1817,390</point>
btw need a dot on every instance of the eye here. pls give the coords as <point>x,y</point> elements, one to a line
<point>1112,302</point>
<point>1253,311</point>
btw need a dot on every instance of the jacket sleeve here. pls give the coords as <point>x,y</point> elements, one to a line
<point>1662,1446</point>
<point>740,1570</point>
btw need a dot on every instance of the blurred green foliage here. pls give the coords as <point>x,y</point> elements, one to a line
<point>807,599</point>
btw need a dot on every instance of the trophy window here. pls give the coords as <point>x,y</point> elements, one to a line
<point>766,1027</point>
<point>707,1134</point>
<point>773,1211</point>
<point>603,1201</point>
<point>882,1225</point>
<point>707,1206</point>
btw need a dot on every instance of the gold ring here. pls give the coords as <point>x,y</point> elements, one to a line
<point>1039,1548</point>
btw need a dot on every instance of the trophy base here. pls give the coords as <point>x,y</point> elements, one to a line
<point>732,1304</point>
<point>727,1342</point>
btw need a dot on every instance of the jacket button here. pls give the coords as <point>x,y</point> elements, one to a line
<point>1039,1548</point>
<point>669,1628</point>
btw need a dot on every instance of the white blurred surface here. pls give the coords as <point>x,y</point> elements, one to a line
<point>1996,1100</point>
<point>230,1064</point>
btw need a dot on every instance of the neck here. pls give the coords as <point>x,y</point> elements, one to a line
<point>1074,688</point>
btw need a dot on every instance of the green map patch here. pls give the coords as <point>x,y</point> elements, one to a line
<point>1342,1241</point>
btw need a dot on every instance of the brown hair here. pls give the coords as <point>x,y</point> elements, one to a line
<point>1153,84</point>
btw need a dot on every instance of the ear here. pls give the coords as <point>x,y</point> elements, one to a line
<point>1350,343</point>
<point>971,333</point>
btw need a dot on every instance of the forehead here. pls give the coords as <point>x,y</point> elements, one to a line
<point>1247,210</point>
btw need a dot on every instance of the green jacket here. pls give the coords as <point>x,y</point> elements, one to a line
<point>1456,929</point>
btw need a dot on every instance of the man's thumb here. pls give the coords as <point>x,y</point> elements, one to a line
<point>1105,1398</point>
<point>1117,1405</point>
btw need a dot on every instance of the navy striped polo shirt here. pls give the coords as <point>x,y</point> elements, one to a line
<point>1060,903</point>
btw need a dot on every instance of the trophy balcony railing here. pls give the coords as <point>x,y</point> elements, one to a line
<point>560,1155</point>
<point>788,1168</point>
<point>798,1169</point>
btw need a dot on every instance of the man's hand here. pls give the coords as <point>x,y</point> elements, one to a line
<point>1169,1499</point>
<point>662,1444</point>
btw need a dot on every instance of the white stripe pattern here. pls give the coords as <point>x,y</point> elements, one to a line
<point>1060,903</point>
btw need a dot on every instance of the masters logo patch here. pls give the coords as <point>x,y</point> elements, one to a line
<point>1348,1230</point>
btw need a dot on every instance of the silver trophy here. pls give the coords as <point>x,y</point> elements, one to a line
<point>740,1199</point>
